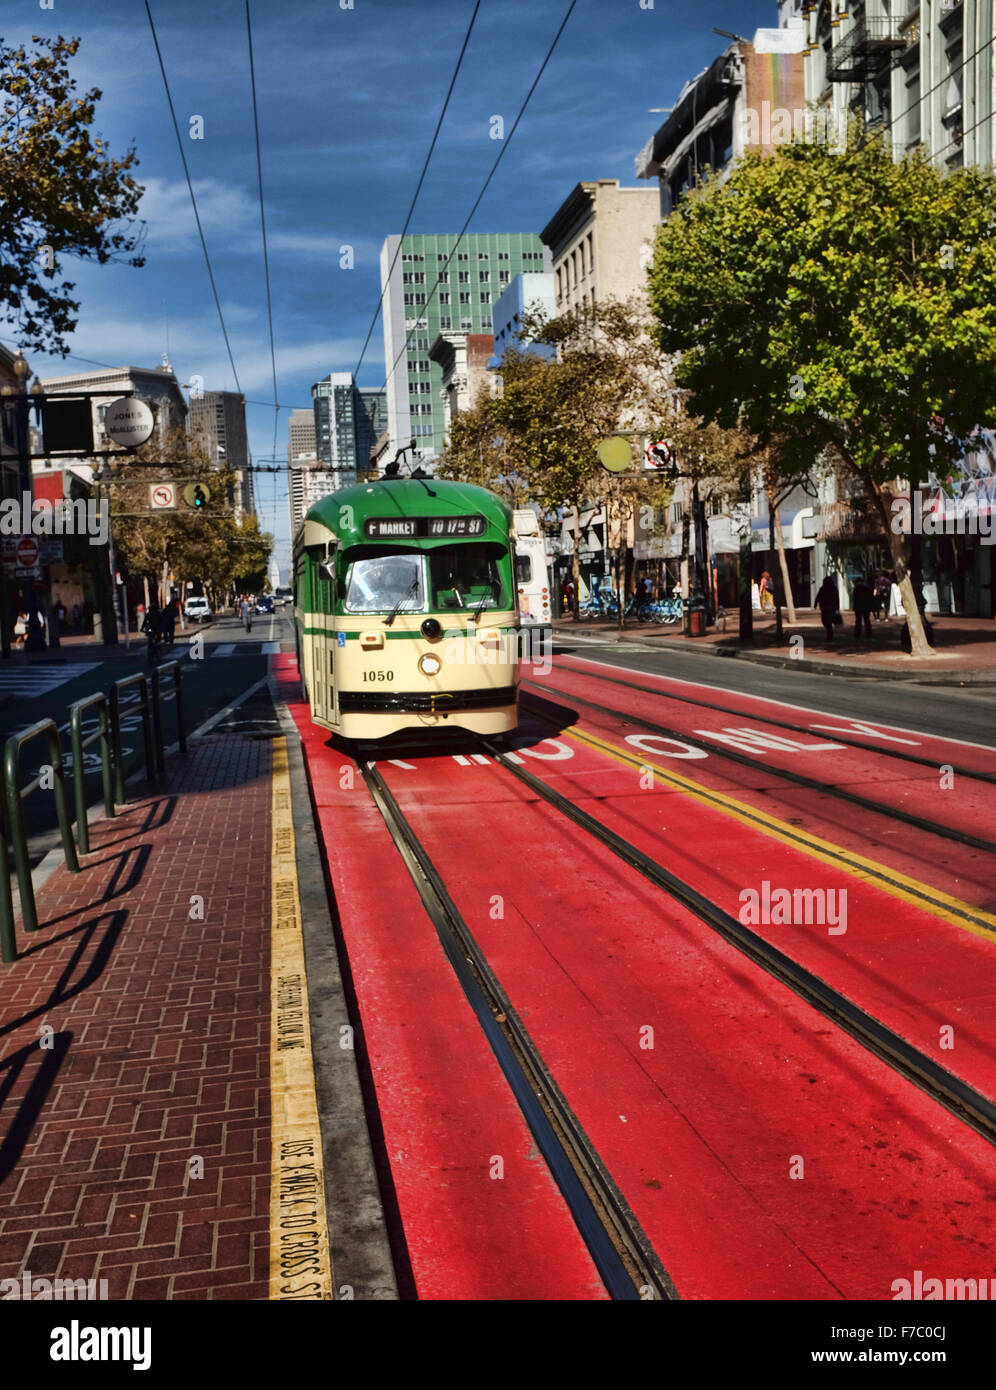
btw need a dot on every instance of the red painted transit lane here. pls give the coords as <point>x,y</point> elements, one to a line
<point>444,1106</point>
<point>874,733</point>
<point>933,982</point>
<point>742,1084</point>
<point>960,870</point>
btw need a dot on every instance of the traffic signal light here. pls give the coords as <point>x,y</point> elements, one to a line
<point>197,495</point>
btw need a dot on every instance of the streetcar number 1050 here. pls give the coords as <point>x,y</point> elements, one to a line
<point>378,675</point>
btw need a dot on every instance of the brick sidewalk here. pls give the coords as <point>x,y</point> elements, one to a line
<point>160,1051</point>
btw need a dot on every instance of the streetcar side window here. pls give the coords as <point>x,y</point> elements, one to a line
<point>467,576</point>
<point>381,583</point>
<point>523,569</point>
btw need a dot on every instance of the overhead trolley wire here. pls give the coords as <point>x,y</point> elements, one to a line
<point>421,180</point>
<point>480,196</point>
<point>193,200</point>
<point>262,222</point>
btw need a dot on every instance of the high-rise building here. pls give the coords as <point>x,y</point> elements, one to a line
<point>348,421</point>
<point>471,278</point>
<point>301,434</point>
<point>218,423</point>
<point>371,420</point>
<point>301,458</point>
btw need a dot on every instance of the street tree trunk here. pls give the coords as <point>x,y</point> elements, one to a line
<point>897,549</point>
<point>576,565</point>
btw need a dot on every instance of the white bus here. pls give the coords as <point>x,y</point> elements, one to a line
<point>531,577</point>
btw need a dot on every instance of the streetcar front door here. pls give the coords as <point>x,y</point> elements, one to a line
<point>324,703</point>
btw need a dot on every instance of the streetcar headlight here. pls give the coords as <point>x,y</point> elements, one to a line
<point>429,665</point>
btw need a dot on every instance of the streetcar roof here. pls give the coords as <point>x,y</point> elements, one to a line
<point>346,513</point>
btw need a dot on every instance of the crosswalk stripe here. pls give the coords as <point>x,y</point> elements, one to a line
<point>222,649</point>
<point>270,649</point>
<point>36,680</point>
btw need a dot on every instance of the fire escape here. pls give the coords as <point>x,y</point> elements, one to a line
<point>867,51</point>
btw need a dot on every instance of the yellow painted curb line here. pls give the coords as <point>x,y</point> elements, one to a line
<point>921,895</point>
<point>300,1262</point>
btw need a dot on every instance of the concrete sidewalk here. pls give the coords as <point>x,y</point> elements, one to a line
<point>965,647</point>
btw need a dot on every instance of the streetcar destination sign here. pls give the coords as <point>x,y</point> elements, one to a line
<point>402,528</point>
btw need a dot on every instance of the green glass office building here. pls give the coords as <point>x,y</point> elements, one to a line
<point>472,277</point>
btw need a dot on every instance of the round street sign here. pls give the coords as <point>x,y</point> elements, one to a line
<point>27,552</point>
<point>615,454</point>
<point>128,421</point>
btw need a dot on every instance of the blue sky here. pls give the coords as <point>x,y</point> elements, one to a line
<point>348,100</point>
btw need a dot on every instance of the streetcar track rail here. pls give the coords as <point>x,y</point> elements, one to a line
<point>626,1261</point>
<point>932,763</point>
<point>942,1086</point>
<point>799,779</point>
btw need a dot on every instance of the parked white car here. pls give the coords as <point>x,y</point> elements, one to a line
<point>197,610</point>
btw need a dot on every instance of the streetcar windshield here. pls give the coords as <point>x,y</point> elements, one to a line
<point>466,576</point>
<point>384,583</point>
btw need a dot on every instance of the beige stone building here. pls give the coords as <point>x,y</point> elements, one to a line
<point>599,238</point>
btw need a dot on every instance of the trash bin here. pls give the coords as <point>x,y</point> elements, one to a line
<point>695,616</point>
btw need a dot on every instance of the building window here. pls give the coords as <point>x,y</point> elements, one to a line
<point>503,255</point>
<point>485,298</point>
<point>420,299</point>
<point>444,277</point>
<point>503,277</point>
<point>409,298</point>
<point>444,299</point>
<point>465,296</point>
<point>463,256</point>
<point>484,276</point>
<point>482,255</point>
<point>486,323</point>
<point>464,277</point>
<point>466,325</point>
<point>445,322</point>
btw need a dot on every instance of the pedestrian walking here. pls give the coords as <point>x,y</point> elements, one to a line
<point>170,614</point>
<point>766,591</point>
<point>246,610</point>
<point>826,602</point>
<point>862,601</point>
<point>21,628</point>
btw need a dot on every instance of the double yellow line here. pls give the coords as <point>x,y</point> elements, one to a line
<point>952,910</point>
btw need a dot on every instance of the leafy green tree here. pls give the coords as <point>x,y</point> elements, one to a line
<point>63,194</point>
<point>841,303</point>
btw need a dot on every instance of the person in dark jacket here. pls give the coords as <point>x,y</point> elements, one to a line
<point>827,602</point>
<point>862,601</point>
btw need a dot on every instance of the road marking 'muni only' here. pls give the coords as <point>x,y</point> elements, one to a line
<point>300,1262</point>
<point>952,910</point>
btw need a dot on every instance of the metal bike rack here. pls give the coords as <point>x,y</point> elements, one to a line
<point>79,743</point>
<point>145,708</point>
<point>14,796</point>
<point>173,669</point>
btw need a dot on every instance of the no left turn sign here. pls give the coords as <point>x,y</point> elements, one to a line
<point>162,495</point>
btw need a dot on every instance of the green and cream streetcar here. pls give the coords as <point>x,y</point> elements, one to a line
<point>405,609</point>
